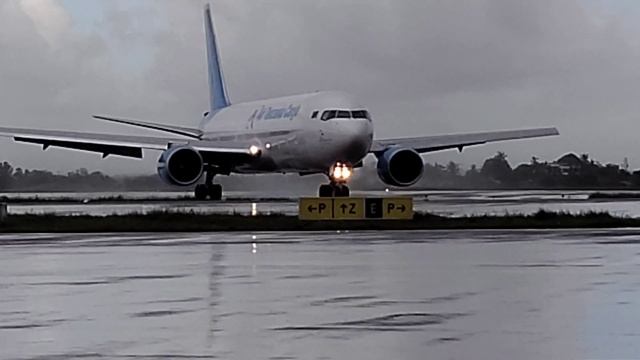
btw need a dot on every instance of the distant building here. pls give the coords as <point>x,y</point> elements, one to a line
<point>570,164</point>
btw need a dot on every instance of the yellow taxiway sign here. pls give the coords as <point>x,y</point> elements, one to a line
<point>356,208</point>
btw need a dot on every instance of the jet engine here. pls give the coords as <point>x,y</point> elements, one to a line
<point>400,166</point>
<point>181,165</point>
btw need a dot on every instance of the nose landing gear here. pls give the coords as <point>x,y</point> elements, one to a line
<point>339,174</point>
<point>334,190</point>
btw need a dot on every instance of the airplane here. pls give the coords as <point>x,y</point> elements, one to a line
<point>324,132</point>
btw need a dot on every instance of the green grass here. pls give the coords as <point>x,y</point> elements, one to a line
<point>192,222</point>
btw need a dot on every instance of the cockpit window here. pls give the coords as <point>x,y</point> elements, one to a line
<point>360,114</point>
<point>328,115</point>
<point>344,114</point>
<point>314,114</point>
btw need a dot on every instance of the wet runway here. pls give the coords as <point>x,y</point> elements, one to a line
<point>358,295</point>
<point>447,203</point>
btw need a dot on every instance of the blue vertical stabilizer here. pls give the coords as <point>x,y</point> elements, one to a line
<point>217,91</point>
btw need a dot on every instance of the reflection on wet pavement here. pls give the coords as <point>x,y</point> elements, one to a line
<point>446,203</point>
<point>360,295</point>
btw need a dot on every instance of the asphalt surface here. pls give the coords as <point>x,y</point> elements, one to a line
<point>357,295</point>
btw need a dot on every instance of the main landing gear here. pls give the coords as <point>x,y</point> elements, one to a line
<point>209,189</point>
<point>339,174</point>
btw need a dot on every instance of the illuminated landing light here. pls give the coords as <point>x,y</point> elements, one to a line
<point>337,173</point>
<point>340,172</point>
<point>267,146</point>
<point>254,210</point>
<point>254,248</point>
<point>254,150</point>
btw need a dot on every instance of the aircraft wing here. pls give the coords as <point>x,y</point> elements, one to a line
<point>124,145</point>
<point>459,141</point>
<point>178,130</point>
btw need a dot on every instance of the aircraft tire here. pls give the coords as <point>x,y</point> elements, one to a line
<point>201,192</point>
<point>325,191</point>
<point>341,191</point>
<point>215,192</point>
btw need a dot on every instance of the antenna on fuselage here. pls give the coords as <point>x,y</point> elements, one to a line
<point>217,90</point>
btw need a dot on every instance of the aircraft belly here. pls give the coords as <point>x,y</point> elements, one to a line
<point>304,147</point>
<point>297,154</point>
<point>319,157</point>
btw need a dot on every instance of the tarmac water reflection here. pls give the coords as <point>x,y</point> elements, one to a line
<point>356,295</point>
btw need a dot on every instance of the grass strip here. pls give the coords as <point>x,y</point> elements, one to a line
<point>195,222</point>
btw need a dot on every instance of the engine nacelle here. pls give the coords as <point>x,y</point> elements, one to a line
<point>181,165</point>
<point>400,166</point>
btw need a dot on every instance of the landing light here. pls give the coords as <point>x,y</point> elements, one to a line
<point>254,150</point>
<point>267,146</point>
<point>337,173</point>
<point>341,172</point>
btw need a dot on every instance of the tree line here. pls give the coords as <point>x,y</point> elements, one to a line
<point>568,172</point>
<point>81,180</point>
<point>571,171</point>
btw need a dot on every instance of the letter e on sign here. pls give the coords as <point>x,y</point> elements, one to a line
<point>373,208</point>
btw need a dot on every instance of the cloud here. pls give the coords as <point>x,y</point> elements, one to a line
<point>423,67</point>
<point>49,17</point>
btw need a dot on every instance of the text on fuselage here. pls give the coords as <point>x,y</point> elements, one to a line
<point>270,113</point>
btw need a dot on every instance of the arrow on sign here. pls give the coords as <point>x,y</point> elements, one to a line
<point>391,207</point>
<point>321,207</point>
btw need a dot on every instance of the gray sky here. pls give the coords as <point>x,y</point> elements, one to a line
<point>422,67</point>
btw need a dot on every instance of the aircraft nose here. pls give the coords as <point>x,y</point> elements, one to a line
<point>358,139</point>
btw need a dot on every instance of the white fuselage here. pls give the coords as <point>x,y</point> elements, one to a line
<point>290,137</point>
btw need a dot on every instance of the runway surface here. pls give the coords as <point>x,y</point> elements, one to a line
<point>363,295</point>
<point>448,203</point>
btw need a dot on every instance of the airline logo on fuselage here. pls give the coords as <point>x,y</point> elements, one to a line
<point>271,113</point>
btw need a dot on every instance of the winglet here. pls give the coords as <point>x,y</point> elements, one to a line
<point>217,91</point>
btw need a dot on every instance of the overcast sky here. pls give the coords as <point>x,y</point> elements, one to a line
<point>422,67</point>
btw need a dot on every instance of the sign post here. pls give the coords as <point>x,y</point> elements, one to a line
<point>356,208</point>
